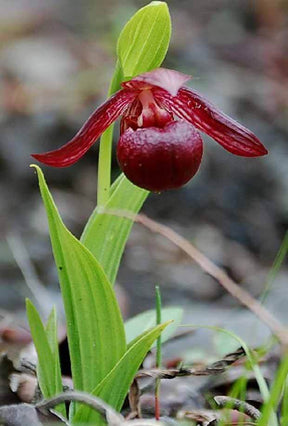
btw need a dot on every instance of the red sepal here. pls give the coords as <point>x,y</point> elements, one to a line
<point>206,117</point>
<point>96,124</point>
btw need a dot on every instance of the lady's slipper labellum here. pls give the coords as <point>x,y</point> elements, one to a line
<point>160,158</point>
<point>157,151</point>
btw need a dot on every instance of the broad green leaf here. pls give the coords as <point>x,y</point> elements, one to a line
<point>105,235</point>
<point>115,386</point>
<point>144,41</point>
<point>51,330</point>
<point>46,344</point>
<point>95,328</point>
<point>144,321</point>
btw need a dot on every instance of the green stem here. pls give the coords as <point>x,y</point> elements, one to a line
<point>284,411</point>
<point>270,405</point>
<point>158,353</point>
<point>104,166</point>
<point>158,322</point>
<point>105,149</point>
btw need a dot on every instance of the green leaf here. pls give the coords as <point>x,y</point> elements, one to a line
<point>46,344</point>
<point>271,405</point>
<point>115,386</point>
<point>278,261</point>
<point>144,41</point>
<point>51,331</point>
<point>142,322</point>
<point>105,235</point>
<point>95,328</point>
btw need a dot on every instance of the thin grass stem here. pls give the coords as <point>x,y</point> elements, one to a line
<point>158,352</point>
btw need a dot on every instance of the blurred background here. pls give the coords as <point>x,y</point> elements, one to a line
<point>56,60</point>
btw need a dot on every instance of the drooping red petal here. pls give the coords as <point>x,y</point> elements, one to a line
<point>206,117</point>
<point>96,124</point>
<point>165,78</point>
<point>158,159</point>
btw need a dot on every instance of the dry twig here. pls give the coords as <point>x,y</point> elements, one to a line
<point>237,404</point>
<point>96,403</point>
<point>215,271</point>
<point>134,401</point>
<point>217,367</point>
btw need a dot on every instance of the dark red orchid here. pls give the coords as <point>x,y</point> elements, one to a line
<point>156,151</point>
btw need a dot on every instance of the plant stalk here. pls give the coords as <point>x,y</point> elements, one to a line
<point>158,353</point>
<point>105,149</point>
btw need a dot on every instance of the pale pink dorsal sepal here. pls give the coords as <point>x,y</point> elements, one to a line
<point>167,79</point>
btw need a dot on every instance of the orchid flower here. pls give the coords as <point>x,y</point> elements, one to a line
<point>159,147</point>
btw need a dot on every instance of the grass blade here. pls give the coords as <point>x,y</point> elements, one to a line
<point>277,387</point>
<point>279,259</point>
<point>158,352</point>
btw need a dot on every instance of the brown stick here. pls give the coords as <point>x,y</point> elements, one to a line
<point>208,266</point>
<point>236,404</point>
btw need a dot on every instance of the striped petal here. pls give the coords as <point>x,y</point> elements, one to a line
<point>191,106</point>
<point>96,124</point>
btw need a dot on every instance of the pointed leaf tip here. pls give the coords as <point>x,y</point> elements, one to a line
<point>144,40</point>
<point>38,170</point>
